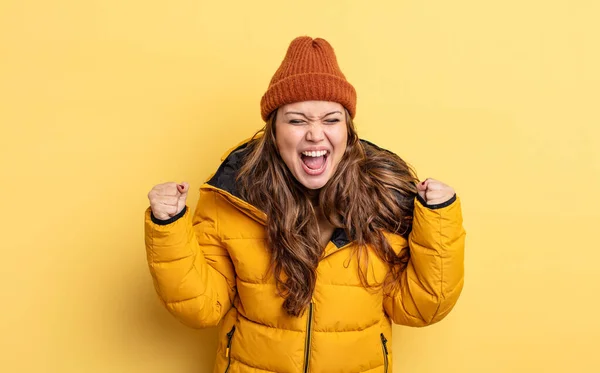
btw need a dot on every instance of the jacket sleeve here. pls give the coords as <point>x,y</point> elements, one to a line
<point>191,269</point>
<point>433,280</point>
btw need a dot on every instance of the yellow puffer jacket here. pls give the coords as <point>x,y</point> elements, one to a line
<point>209,268</point>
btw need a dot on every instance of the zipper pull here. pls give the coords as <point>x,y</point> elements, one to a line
<point>384,341</point>
<point>229,336</point>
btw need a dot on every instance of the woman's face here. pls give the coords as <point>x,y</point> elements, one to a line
<point>311,137</point>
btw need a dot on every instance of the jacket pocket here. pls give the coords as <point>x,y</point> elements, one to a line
<point>385,352</point>
<point>228,350</point>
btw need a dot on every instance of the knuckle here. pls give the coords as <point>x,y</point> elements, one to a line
<point>171,188</point>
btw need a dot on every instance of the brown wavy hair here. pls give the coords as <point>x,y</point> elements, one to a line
<point>371,191</point>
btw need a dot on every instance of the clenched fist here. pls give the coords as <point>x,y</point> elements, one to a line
<point>434,192</point>
<point>168,199</point>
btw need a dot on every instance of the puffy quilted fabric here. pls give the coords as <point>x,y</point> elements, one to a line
<point>209,269</point>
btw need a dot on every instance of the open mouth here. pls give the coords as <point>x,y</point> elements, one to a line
<point>314,162</point>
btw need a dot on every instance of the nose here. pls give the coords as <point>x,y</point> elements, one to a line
<point>315,133</point>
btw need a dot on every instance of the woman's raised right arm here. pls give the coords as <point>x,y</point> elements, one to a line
<point>191,269</point>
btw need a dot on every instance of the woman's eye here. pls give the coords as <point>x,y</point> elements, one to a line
<point>295,121</point>
<point>333,121</point>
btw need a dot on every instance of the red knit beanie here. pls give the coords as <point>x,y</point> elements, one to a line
<point>308,72</point>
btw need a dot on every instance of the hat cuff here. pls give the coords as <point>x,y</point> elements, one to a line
<point>309,87</point>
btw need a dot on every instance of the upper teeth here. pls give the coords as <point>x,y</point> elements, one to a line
<point>315,154</point>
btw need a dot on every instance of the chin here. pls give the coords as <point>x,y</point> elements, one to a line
<point>314,184</point>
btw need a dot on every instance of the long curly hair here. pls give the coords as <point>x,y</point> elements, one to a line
<point>371,191</point>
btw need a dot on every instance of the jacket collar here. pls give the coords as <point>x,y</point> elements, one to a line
<point>223,182</point>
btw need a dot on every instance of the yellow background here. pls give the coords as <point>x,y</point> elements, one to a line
<point>101,100</point>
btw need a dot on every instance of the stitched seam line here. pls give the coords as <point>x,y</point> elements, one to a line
<point>268,326</point>
<point>348,331</point>
<point>251,366</point>
<point>245,238</point>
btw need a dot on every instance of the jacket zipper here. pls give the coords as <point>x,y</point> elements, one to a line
<point>308,337</point>
<point>228,350</point>
<point>385,353</point>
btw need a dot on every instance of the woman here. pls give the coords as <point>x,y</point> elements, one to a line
<point>307,242</point>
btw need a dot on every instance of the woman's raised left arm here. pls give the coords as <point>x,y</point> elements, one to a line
<point>433,280</point>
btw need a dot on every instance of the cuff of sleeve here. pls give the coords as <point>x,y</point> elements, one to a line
<point>170,220</point>
<point>439,205</point>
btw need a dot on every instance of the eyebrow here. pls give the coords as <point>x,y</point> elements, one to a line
<point>299,113</point>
